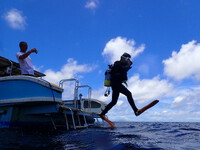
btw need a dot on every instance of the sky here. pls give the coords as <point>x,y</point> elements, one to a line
<point>79,38</point>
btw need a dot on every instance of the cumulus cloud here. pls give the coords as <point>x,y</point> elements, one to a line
<point>185,63</point>
<point>117,46</point>
<point>99,94</point>
<point>145,90</point>
<point>92,4</point>
<point>15,19</point>
<point>70,70</point>
<point>187,98</point>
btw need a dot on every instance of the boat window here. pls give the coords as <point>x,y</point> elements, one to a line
<point>93,104</point>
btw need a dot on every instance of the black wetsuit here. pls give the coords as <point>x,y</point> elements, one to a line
<point>118,76</point>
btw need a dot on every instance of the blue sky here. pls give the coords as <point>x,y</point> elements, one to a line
<point>78,39</point>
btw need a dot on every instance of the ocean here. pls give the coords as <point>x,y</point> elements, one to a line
<point>126,136</point>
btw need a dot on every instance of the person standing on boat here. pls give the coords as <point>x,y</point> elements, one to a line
<point>118,77</point>
<point>24,59</point>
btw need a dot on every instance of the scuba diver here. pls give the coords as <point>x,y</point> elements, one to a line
<point>118,77</point>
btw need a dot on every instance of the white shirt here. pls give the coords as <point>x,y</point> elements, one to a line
<point>25,64</point>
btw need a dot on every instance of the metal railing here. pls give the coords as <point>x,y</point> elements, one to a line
<point>75,88</point>
<point>89,94</point>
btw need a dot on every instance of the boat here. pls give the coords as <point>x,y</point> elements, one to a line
<point>31,101</point>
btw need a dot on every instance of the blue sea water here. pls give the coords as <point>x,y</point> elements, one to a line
<point>126,136</point>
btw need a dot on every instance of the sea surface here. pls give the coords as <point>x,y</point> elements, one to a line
<point>126,136</point>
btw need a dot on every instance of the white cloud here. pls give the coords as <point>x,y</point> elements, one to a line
<point>116,47</point>
<point>187,99</point>
<point>92,4</point>
<point>145,90</point>
<point>70,70</point>
<point>99,94</point>
<point>185,63</point>
<point>15,19</point>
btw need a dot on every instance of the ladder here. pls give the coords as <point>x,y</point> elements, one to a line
<point>72,112</point>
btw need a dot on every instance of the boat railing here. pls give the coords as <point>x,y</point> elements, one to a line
<point>75,88</point>
<point>89,95</point>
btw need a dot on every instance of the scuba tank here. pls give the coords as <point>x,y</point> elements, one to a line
<point>107,81</point>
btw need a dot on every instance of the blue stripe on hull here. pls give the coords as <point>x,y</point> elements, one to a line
<point>22,89</point>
